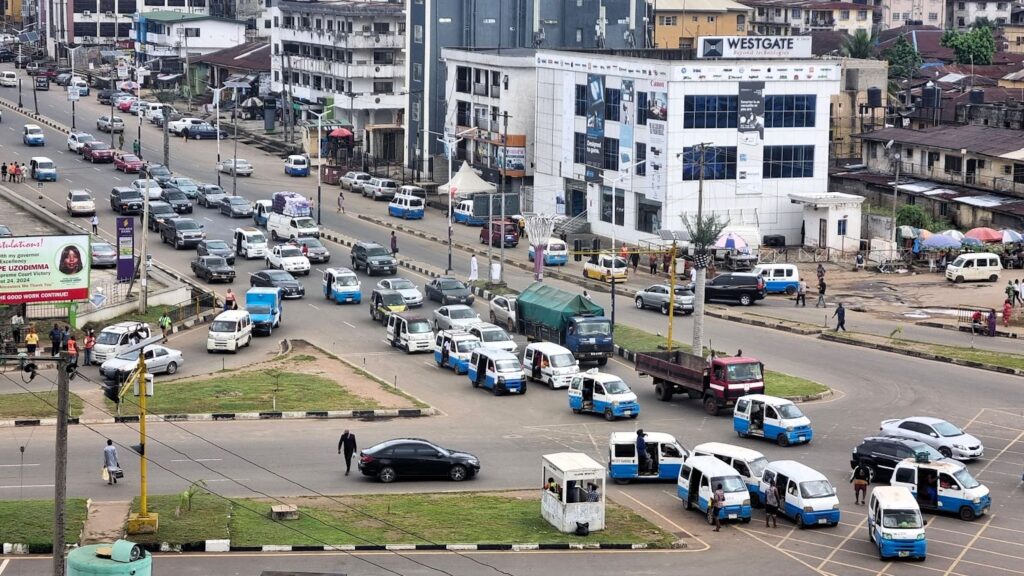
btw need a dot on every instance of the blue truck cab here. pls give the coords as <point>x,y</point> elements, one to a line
<point>264,307</point>
<point>546,313</point>
<point>496,370</point>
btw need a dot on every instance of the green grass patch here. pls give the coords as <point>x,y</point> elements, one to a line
<point>422,518</point>
<point>37,405</point>
<point>300,358</point>
<point>1001,359</point>
<point>637,340</point>
<point>249,391</point>
<point>496,289</point>
<point>31,521</point>
<point>208,520</point>
<point>787,386</point>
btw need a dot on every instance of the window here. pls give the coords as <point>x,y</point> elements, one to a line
<point>611,155</point>
<point>982,6</point>
<point>1001,6</point>
<point>952,164</point>
<point>933,16</point>
<point>841,227</point>
<point>959,5</point>
<point>788,162</point>
<point>384,57</point>
<point>417,34</point>
<point>462,79</point>
<point>126,7</point>
<point>943,209</point>
<point>107,29</point>
<point>1018,173</point>
<point>581,100</point>
<point>709,111</point>
<point>612,104</point>
<point>648,215</point>
<point>579,35</point>
<point>719,163</point>
<point>417,71</point>
<point>641,155</point>
<point>85,28</point>
<point>85,5</point>
<point>790,111</point>
<point>606,205</point>
<point>795,13</point>
<point>381,28</point>
<point>579,148</point>
<point>383,87</point>
<point>641,108</point>
<point>862,14</point>
<point>905,475</point>
<point>711,19</point>
<point>844,14</point>
<point>741,22</point>
<point>668,20</point>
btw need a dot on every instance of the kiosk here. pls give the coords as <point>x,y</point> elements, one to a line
<point>568,479</point>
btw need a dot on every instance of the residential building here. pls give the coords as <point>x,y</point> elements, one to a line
<point>495,94</point>
<point>839,16</point>
<point>1014,35</point>
<point>896,13</point>
<point>961,14</point>
<point>678,23</point>
<point>172,37</point>
<point>859,106</point>
<point>103,22</point>
<point>249,63</point>
<point>777,17</point>
<point>437,24</point>
<point>626,139</point>
<point>345,58</point>
<point>1006,114</point>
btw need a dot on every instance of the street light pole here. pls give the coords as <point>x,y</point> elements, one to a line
<point>234,161</point>
<point>614,182</point>
<point>319,161</point>
<point>216,103</point>
<point>451,142</point>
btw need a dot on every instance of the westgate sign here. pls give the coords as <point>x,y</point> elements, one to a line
<point>754,47</point>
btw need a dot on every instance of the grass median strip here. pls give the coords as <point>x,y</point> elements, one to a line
<point>37,405</point>
<point>208,519</point>
<point>31,521</point>
<point>463,518</point>
<point>966,354</point>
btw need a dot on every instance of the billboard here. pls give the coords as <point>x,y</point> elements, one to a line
<point>750,125</point>
<point>626,116</point>
<point>44,269</point>
<point>125,249</point>
<point>515,157</point>
<point>754,47</point>
<point>595,127</point>
<point>657,140</point>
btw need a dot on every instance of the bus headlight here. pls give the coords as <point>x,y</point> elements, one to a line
<point>920,536</point>
<point>808,509</point>
<point>976,500</point>
<point>746,502</point>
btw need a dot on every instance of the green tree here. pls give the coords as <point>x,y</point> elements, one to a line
<point>859,45</point>
<point>910,215</point>
<point>975,46</point>
<point>903,59</point>
<point>704,232</point>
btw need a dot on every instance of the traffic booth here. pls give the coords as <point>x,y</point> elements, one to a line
<point>569,479</point>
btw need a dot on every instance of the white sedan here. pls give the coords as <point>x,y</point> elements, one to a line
<point>153,191</point>
<point>78,139</point>
<point>159,360</point>
<point>410,293</point>
<point>947,438</point>
<point>289,258</point>
<point>235,166</point>
<point>454,317</point>
<point>80,202</point>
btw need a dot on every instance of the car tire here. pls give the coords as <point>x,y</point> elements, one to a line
<point>746,299</point>
<point>387,475</point>
<point>172,368</point>
<point>790,290</point>
<point>609,415</point>
<point>458,473</point>
<point>782,440</point>
<point>602,361</point>
<point>511,326</point>
<point>639,302</point>
<point>664,309</point>
<point>993,278</point>
<point>946,452</point>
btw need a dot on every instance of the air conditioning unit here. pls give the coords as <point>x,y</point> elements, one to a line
<point>86,13</point>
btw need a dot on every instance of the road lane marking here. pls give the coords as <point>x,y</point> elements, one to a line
<point>4,565</point>
<point>207,218</point>
<point>29,486</point>
<point>198,460</point>
<point>95,168</point>
<point>347,324</point>
<point>841,544</point>
<point>791,555</point>
<point>667,521</point>
<point>16,465</point>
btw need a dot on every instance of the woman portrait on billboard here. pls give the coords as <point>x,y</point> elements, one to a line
<point>70,260</point>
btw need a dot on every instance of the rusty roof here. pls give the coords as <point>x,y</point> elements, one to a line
<point>987,140</point>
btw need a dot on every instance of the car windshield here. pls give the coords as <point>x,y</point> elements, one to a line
<point>946,429</point>
<point>108,338</point>
<point>258,308</point>
<point>35,130</point>
<point>175,196</point>
<point>748,372</point>
<point>468,345</point>
<point>729,483</point>
<point>494,335</point>
<point>615,387</point>
<point>562,360</point>
<point>311,243</point>
<point>217,245</point>
<point>507,366</point>
<point>402,284</point>
<point>789,411</point>
<point>461,313</point>
<point>757,466</point>
<point>211,262</point>
<point>80,197</point>
<point>187,225</point>
<point>185,182</point>
<point>223,326</point>
<point>291,253</point>
<point>279,275</point>
<point>451,285</point>
<point>958,262</point>
<point>305,223</point>
<point>817,489</point>
<point>377,251</point>
<point>419,327</point>
<point>923,449</point>
<point>133,195</point>
<point>346,280</point>
<point>238,201</point>
<point>85,137</point>
<point>213,190</point>
<point>256,239</point>
<point>594,328</point>
<point>158,170</point>
<point>905,519</point>
<point>392,299</point>
<point>965,479</point>
<point>133,355</point>
<point>556,247</point>
<point>94,146</point>
<point>44,165</point>
<point>102,248</point>
<point>161,210</point>
<point>300,161</point>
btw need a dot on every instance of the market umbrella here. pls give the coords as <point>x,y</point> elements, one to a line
<point>985,234</point>
<point>340,133</point>
<point>940,242</point>
<point>972,242</point>
<point>954,234</point>
<point>252,102</point>
<point>731,241</point>
<point>1011,236</point>
<point>923,234</point>
<point>907,231</point>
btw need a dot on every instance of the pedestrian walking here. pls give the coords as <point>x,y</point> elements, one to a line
<point>394,243</point>
<point>641,451</point>
<point>652,262</point>
<point>18,173</point>
<point>1007,312</point>
<point>716,510</point>
<point>3,172</point>
<point>821,272</point>
<point>1019,285</point>
<point>229,300</point>
<point>801,293</point>
<point>55,340</point>
<point>1011,292</point>
<point>95,221</point>
<point>348,444</point>
<point>136,148</point>
<point>88,345</point>
<point>164,322</point>
<point>634,259</point>
<point>341,202</point>
<point>17,323</point>
<point>31,341</point>
<point>474,271</point>
<point>860,478</point>
<point>120,141</point>
<point>666,262</point>
<point>11,169</point>
<point>65,335</point>
<point>771,505</point>
<point>110,464</point>
<point>586,296</point>
<point>821,294</point>
<point>72,349</point>
<point>992,322</point>
<point>840,316</point>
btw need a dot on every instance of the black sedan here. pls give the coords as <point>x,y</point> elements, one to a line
<point>160,173</point>
<point>449,290</point>
<point>213,268</point>
<point>235,207</point>
<point>411,457</point>
<point>177,199</point>
<point>203,132</point>
<point>216,248</point>
<point>290,287</point>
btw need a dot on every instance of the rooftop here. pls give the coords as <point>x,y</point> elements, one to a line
<point>699,6</point>
<point>343,7</point>
<point>172,17</point>
<point>251,56</point>
<point>986,140</point>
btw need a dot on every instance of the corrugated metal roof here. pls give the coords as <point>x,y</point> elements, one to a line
<point>986,140</point>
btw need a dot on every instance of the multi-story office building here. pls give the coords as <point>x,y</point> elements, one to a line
<point>346,57</point>
<point>627,139</point>
<point>437,24</point>
<point>175,35</point>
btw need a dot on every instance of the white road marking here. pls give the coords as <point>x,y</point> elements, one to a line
<point>116,178</point>
<point>314,306</point>
<point>4,565</point>
<point>229,480</point>
<point>68,181</point>
<point>349,325</point>
<point>30,486</point>
<point>16,465</point>
<point>207,218</point>
<point>198,460</point>
<point>95,168</point>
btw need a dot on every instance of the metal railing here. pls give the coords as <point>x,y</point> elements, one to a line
<point>115,292</point>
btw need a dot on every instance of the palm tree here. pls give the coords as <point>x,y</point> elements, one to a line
<point>859,45</point>
<point>703,231</point>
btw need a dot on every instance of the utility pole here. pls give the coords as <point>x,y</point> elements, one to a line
<point>234,160</point>
<point>502,169</point>
<point>143,263</point>
<point>700,260</point>
<point>60,481</point>
<point>145,522</point>
<point>167,135</point>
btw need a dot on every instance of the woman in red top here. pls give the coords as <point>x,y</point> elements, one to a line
<point>1007,312</point>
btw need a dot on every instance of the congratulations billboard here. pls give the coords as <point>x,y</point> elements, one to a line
<point>44,269</point>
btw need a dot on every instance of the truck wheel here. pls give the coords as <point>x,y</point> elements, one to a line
<point>609,415</point>
<point>663,391</point>
<point>710,405</point>
<point>273,234</point>
<point>967,513</point>
<point>621,481</point>
<point>782,440</point>
<point>602,362</point>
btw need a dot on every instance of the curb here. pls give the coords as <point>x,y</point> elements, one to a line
<point>922,355</point>
<point>225,546</point>
<point>762,323</point>
<point>930,324</point>
<point>236,416</point>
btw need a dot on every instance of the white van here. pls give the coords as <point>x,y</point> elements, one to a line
<point>406,206</point>
<point>944,486</point>
<point>229,331</point>
<point>410,190</point>
<point>805,495</point>
<point>698,478</point>
<point>549,363</point>
<point>779,278</point>
<point>410,333</point>
<point>8,79</point>
<point>463,213</point>
<point>772,418</point>
<point>249,243</point>
<point>974,266</point>
<point>895,525</point>
<point>556,253</point>
<point>749,464</point>
<point>82,85</point>
<point>283,227</point>
<point>116,338</point>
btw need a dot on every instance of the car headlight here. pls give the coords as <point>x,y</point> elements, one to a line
<point>920,536</point>
<point>959,447</point>
<point>808,509</point>
<point>501,379</point>
<point>976,501</point>
<point>789,428</point>
<point>835,506</point>
<point>887,535</point>
<point>615,404</point>
<point>746,502</point>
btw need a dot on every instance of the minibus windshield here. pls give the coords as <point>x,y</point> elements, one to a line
<point>816,489</point>
<point>729,483</point>
<point>965,479</point>
<point>788,411</point>
<point>562,360</point>
<point>419,327</point>
<point>223,326</point>
<point>468,345</point>
<point>757,467</point>
<point>616,387</point>
<point>906,519</point>
<point>593,329</point>
<point>507,366</point>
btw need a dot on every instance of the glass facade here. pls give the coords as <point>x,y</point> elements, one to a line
<point>790,111</point>
<point>788,162</point>
<point>710,111</point>
<point>719,163</point>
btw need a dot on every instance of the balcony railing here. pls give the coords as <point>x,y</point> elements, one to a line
<point>938,173</point>
<point>464,120</point>
<point>480,89</point>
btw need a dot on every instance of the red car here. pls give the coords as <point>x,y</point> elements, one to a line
<point>499,232</point>
<point>128,163</point>
<point>95,151</point>
<point>125,104</point>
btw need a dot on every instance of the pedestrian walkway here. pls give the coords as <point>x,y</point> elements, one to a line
<point>105,522</point>
<point>93,403</point>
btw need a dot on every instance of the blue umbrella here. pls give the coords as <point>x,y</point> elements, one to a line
<point>940,242</point>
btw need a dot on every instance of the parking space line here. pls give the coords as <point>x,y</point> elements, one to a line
<point>1008,529</point>
<point>1015,429</point>
<point>668,521</point>
<point>3,566</point>
<point>314,306</point>
<point>347,324</point>
<point>1001,569</point>
<point>791,554</point>
<point>843,543</point>
<point>786,537</point>
<point>996,457</point>
<point>959,558</point>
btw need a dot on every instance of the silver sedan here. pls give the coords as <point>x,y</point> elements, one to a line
<point>159,360</point>
<point>656,296</point>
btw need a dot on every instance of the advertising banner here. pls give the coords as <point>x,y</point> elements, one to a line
<point>595,127</point>
<point>626,118</point>
<point>514,157</point>
<point>657,140</point>
<point>754,47</point>
<point>750,125</point>
<point>44,269</point>
<point>125,249</point>
<point>568,123</point>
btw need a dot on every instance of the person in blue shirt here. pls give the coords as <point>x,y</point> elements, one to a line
<point>641,451</point>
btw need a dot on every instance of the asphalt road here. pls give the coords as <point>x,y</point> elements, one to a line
<point>510,433</point>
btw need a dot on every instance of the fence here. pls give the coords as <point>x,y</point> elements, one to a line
<point>115,292</point>
<point>199,303</point>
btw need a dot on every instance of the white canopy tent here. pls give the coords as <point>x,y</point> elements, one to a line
<point>466,182</point>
